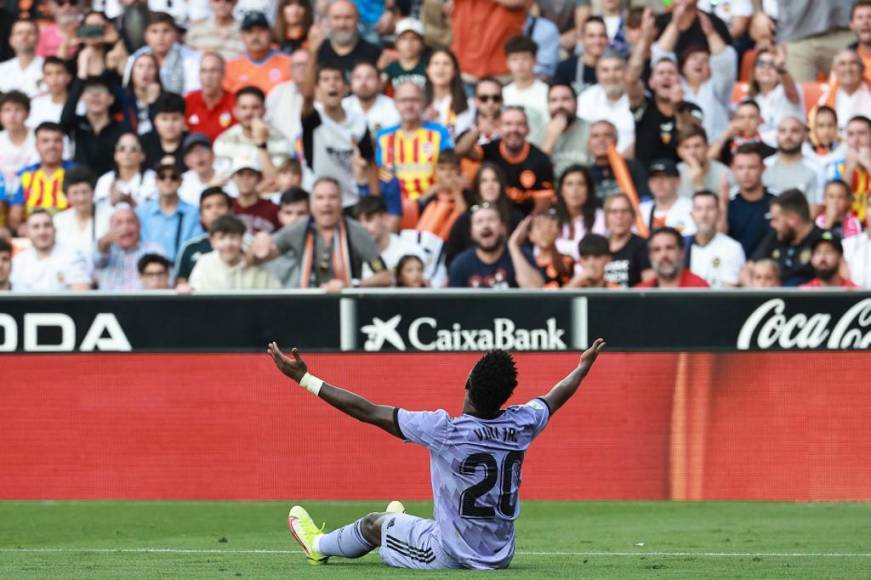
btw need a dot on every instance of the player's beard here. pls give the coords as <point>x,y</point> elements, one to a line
<point>827,274</point>
<point>491,247</point>
<point>667,270</point>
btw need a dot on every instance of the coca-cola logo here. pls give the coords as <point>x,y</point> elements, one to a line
<point>771,326</point>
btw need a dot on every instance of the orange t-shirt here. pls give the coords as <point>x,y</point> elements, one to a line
<point>480,30</point>
<point>243,72</point>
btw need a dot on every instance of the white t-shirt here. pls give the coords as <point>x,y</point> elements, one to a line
<point>719,262</point>
<point>43,109</point>
<point>15,78</point>
<point>857,253</point>
<point>679,216</point>
<point>192,187</point>
<point>70,234</point>
<point>456,124</point>
<point>57,271</point>
<point>594,105</point>
<point>283,109</point>
<point>775,107</point>
<point>395,250</point>
<point>15,157</point>
<point>727,9</point>
<point>534,102</point>
<point>848,106</point>
<point>141,188</point>
<point>382,114</point>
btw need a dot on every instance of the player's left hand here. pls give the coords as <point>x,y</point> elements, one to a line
<point>292,366</point>
<point>589,356</point>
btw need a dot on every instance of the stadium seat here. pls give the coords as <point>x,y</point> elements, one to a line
<point>814,94</point>
<point>740,91</point>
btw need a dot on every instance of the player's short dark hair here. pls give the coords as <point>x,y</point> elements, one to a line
<point>228,224</point>
<point>449,157</point>
<point>251,90</point>
<point>49,126</point>
<point>76,175</point>
<point>215,191</point>
<point>594,245</point>
<point>491,382</point>
<point>16,98</point>
<point>668,231</point>
<point>749,149</point>
<point>5,246</point>
<point>793,201</point>
<point>294,195</point>
<point>168,102</point>
<point>147,259</point>
<point>370,206</point>
<point>690,131</point>
<point>520,44</point>
<point>707,193</point>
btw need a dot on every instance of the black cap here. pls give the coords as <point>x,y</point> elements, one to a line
<point>254,19</point>
<point>194,139</point>
<point>666,166</point>
<point>828,237</point>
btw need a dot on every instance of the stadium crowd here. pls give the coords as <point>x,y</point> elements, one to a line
<point>245,144</point>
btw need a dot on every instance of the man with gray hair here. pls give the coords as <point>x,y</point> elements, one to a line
<point>608,99</point>
<point>116,257</point>
<point>344,47</point>
<point>788,169</point>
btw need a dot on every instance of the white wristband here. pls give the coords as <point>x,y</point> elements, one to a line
<point>311,383</point>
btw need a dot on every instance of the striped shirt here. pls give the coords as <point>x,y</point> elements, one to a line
<point>38,189</point>
<point>412,156</point>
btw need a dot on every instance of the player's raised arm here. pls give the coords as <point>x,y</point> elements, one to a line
<point>563,390</point>
<point>383,416</point>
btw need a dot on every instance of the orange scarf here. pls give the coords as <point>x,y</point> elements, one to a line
<point>341,263</point>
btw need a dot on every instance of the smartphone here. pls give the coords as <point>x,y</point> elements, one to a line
<point>90,31</point>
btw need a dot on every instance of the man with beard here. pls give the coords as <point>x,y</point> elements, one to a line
<point>603,135</point>
<point>47,266</point>
<point>565,139</point>
<point>788,169</point>
<point>667,257</point>
<point>345,47</point>
<point>488,264</point>
<point>366,98</point>
<point>792,239</point>
<point>710,254</point>
<point>609,100</point>
<point>826,260</point>
<point>262,65</point>
<point>528,171</point>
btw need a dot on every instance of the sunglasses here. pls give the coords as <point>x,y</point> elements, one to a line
<point>489,98</point>
<point>168,177</point>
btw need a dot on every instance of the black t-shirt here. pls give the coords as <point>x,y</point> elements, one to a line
<point>749,221</point>
<point>655,134</point>
<point>190,253</point>
<point>529,174</point>
<point>363,52</point>
<point>727,153</point>
<point>154,151</point>
<point>606,184</point>
<point>694,35</point>
<point>567,73</point>
<point>794,259</point>
<point>468,271</point>
<point>627,263</point>
<point>460,238</point>
<point>396,75</point>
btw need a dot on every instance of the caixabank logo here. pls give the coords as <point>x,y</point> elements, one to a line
<point>426,333</point>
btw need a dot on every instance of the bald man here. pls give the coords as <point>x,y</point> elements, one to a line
<point>344,47</point>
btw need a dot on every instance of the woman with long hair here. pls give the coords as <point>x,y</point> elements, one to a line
<point>488,187</point>
<point>293,18</point>
<point>578,210</point>
<point>130,181</point>
<point>775,91</point>
<point>445,96</point>
<point>141,91</point>
<point>824,141</point>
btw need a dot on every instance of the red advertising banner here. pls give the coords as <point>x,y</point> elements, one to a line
<point>644,426</point>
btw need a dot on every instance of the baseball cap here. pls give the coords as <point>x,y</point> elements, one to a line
<point>666,166</point>
<point>409,25</point>
<point>828,237</point>
<point>254,19</point>
<point>246,162</point>
<point>193,140</point>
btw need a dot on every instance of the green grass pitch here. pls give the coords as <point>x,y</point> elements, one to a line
<point>554,540</point>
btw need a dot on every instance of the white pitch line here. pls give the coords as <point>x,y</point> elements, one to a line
<point>519,553</point>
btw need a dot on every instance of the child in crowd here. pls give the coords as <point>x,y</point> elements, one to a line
<point>411,65</point>
<point>836,216</point>
<point>409,273</point>
<point>444,202</point>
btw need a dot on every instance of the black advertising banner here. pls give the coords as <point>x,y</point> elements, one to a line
<point>167,322</point>
<point>438,321</point>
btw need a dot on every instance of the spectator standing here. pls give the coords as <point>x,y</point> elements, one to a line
<point>47,266</point>
<point>24,71</point>
<point>710,254</point>
<point>214,203</point>
<point>225,268</point>
<point>218,33</point>
<point>117,254</point>
<point>142,90</point>
<point>813,32</point>
<point>667,258</point>
<point>480,29</point>
<point>656,123</point>
<point>209,110</point>
<point>167,220</point>
<point>826,257</point>
<point>262,65</point>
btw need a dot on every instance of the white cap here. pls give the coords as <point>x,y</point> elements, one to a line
<point>409,25</point>
<point>246,162</point>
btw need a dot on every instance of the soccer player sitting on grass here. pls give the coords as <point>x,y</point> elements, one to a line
<point>475,464</point>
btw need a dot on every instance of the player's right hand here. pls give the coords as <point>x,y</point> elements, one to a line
<point>589,356</point>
